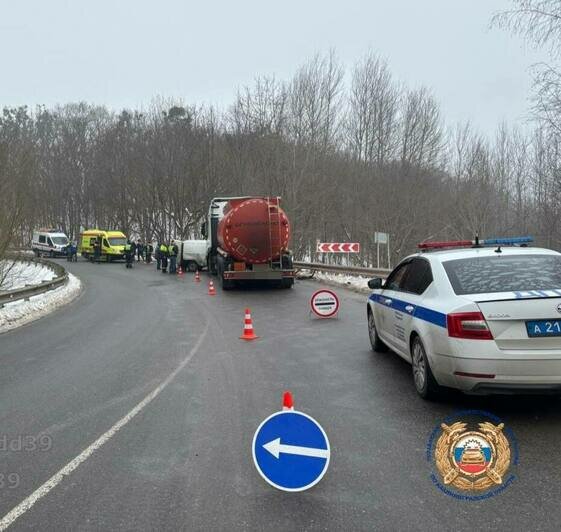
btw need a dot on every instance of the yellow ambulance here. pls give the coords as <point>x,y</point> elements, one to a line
<point>112,244</point>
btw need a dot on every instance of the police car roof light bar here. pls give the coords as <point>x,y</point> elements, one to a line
<point>445,244</point>
<point>508,241</point>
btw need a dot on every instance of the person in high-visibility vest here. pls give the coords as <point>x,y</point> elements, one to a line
<point>128,254</point>
<point>164,257</point>
<point>172,252</point>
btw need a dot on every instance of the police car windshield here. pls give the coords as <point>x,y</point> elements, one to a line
<point>60,240</point>
<point>117,241</point>
<point>504,273</point>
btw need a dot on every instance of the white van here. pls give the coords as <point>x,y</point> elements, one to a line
<point>49,242</point>
<point>192,254</point>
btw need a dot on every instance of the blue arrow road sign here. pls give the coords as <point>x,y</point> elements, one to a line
<point>291,451</point>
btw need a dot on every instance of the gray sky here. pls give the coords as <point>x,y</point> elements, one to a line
<point>124,53</point>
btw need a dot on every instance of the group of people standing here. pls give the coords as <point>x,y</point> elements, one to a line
<point>72,252</point>
<point>166,253</point>
<point>142,252</point>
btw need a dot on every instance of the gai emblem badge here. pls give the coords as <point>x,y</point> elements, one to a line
<point>473,456</point>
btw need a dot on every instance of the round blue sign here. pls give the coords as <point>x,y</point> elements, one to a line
<point>291,451</point>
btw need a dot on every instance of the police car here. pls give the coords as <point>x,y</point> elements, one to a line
<point>482,316</point>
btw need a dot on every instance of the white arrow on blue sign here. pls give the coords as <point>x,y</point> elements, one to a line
<point>291,451</point>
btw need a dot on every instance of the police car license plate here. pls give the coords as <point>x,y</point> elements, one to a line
<point>543,328</point>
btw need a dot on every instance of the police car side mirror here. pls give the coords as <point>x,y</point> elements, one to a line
<point>375,283</point>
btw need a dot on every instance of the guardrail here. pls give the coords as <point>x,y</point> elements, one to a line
<point>337,268</point>
<point>9,296</point>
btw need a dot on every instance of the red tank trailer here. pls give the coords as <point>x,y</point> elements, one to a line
<point>249,232</point>
<point>248,240</point>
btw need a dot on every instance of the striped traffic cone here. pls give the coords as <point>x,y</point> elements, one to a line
<point>197,277</point>
<point>180,270</point>
<point>248,333</point>
<point>211,290</point>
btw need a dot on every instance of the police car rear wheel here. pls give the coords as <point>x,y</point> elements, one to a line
<point>425,383</point>
<point>375,340</point>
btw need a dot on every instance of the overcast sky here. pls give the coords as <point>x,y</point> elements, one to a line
<point>123,53</point>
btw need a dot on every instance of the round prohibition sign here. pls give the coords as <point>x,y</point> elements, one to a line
<point>324,303</point>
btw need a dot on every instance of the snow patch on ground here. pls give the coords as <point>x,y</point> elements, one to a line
<point>19,313</point>
<point>23,273</point>
<point>354,282</point>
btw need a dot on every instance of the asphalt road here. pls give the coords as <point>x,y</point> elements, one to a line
<point>183,462</point>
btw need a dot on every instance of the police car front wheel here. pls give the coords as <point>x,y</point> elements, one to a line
<point>375,340</point>
<point>425,383</point>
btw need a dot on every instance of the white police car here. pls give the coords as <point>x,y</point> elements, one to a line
<point>478,318</point>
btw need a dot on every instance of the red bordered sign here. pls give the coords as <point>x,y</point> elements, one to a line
<point>324,303</point>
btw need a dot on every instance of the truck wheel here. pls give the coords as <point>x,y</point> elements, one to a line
<point>287,282</point>
<point>210,266</point>
<point>226,284</point>
<point>191,266</point>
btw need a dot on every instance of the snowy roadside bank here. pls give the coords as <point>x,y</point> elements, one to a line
<point>352,282</point>
<point>20,312</point>
<point>20,274</point>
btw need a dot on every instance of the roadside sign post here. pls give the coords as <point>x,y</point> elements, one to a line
<point>291,451</point>
<point>324,303</point>
<point>382,238</point>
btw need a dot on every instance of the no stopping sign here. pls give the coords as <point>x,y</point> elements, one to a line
<point>324,303</point>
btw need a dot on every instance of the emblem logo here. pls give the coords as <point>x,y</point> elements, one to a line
<point>472,460</point>
<point>559,308</point>
<point>472,457</point>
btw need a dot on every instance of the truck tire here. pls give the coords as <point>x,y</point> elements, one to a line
<point>191,266</point>
<point>287,282</point>
<point>211,267</point>
<point>226,284</point>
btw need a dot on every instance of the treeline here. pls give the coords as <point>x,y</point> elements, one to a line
<point>350,156</point>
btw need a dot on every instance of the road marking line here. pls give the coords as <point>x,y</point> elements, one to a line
<point>57,478</point>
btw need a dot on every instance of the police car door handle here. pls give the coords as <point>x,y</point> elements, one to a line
<point>409,308</point>
<point>388,301</point>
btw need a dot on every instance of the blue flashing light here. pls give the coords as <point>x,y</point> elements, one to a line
<point>508,241</point>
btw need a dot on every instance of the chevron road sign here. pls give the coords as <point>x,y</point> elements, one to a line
<point>338,247</point>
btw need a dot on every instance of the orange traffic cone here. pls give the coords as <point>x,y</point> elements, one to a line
<point>248,333</point>
<point>197,277</point>
<point>211,290</point>
<point>180,270</point>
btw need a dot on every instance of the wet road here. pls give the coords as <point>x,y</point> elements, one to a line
<point>142,397</point>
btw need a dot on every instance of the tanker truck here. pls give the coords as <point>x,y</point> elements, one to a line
<point>247,240</point>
